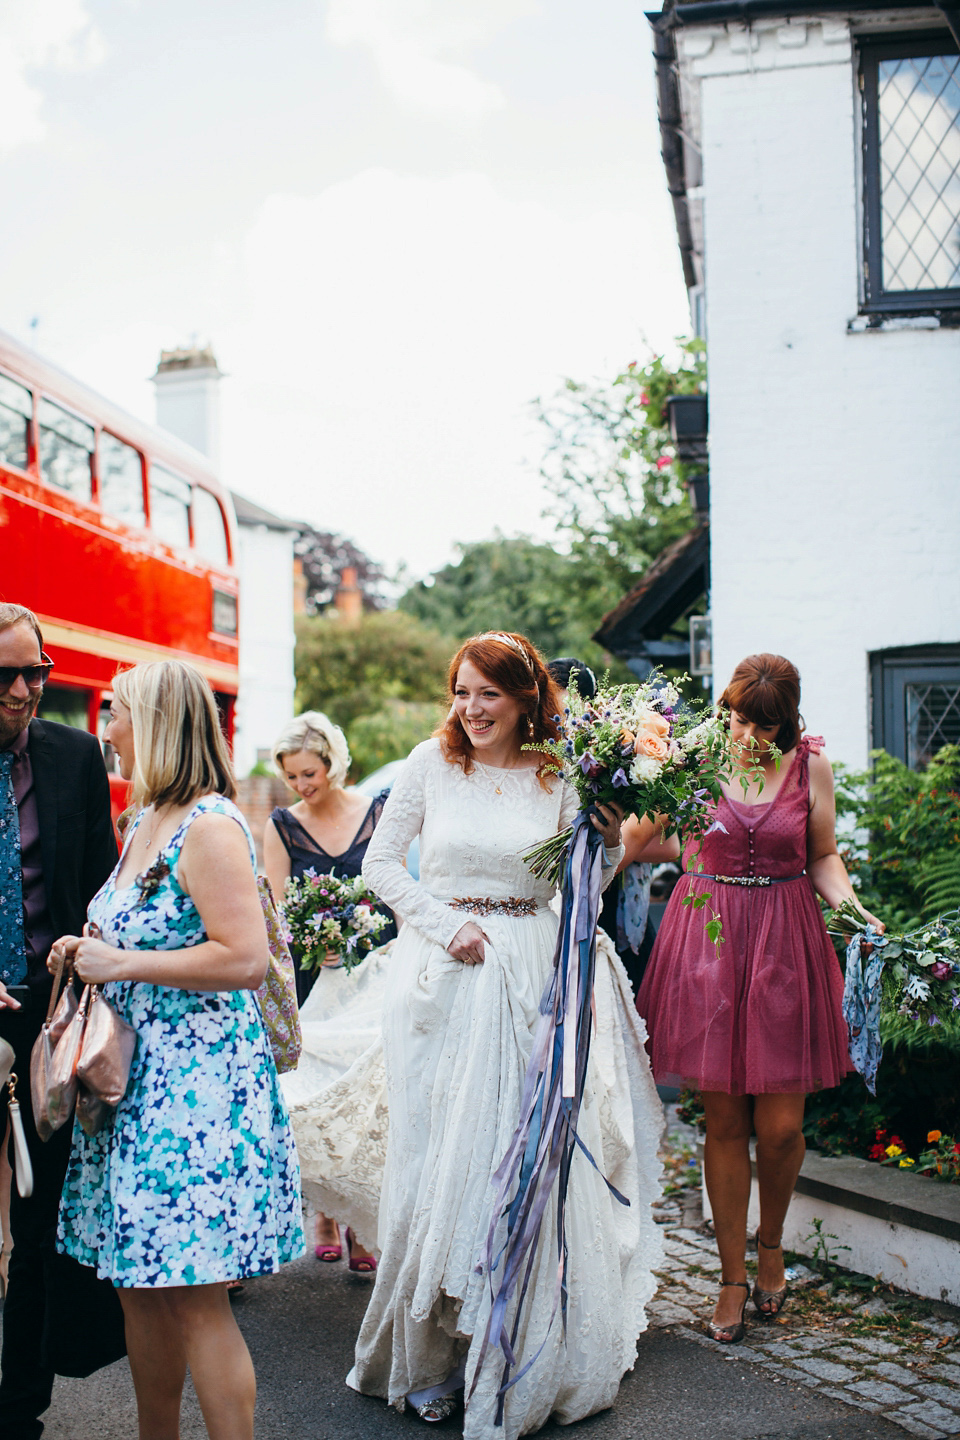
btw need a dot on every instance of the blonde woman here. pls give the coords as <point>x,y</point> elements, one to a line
<point>329,828</point>
<point>328,831</point>
<point>195,1180</point>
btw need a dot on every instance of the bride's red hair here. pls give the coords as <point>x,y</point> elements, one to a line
<point>518,669</point>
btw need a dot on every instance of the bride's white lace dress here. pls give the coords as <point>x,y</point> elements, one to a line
<point>450,1069</point>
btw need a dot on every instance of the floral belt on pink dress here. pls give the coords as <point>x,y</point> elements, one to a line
<point>483,905</point>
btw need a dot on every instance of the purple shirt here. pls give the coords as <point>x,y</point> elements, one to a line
<point>37,925</point>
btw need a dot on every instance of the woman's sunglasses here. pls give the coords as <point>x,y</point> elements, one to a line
<point>34,676</point>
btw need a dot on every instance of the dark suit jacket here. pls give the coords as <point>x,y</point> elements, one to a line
<point>77,840</point>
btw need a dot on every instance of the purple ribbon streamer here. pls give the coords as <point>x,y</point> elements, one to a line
<point>542,1147</point>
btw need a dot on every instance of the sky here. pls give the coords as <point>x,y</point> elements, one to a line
<point>397,221</point>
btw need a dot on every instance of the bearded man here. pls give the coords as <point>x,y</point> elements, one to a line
<point>57,847</point>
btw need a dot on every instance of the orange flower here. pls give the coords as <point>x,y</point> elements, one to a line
<point>653,745</point>
<point>933,1136</point>
<point>651,723</point>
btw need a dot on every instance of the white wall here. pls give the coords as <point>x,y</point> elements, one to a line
<point>265,701</point>
<point>834,457</point>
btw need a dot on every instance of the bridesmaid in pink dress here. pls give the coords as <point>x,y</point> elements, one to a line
<point>759,1025</point>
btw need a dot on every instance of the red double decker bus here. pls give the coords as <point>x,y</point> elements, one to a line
<point>119,537</point>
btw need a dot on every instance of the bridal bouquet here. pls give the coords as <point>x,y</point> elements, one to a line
<point>642,748</point>
<point>325,914</point>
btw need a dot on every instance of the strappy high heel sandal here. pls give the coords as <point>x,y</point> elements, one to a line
<point>730,1334</point>
<point>776,1299</point>
<point>434,1411</point>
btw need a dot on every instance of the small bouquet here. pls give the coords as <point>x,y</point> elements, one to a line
<point>921,971</point>
<point>324,914</point>
<point>644,749</point>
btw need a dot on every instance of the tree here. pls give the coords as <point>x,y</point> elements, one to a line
<point>348,671</point>
<point>325,556</point>
<point>618,499</point>
<point>510,583</point>
<point>616,485</point>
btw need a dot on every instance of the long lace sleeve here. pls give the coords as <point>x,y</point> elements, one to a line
<point>569,805</point>
<point>383,867</point>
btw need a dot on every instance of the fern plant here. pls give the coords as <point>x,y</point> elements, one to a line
<point>940,882</point>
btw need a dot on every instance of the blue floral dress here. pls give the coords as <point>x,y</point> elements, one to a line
<point>196,1180</point>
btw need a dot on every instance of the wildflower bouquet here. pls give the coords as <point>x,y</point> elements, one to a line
<point>920,971</point>
<point>324,914</point>
<point>642,748</point>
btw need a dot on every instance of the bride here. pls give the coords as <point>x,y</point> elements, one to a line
<point>460,1009</point>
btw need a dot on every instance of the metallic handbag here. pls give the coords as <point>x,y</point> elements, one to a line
<point>106,1050</point>
<point>41,1056</point>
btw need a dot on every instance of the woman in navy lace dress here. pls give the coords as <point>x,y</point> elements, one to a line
<point>328,831</point>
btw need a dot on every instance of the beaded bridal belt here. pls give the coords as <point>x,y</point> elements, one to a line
<point>483,905</point>
<point>752,881</point>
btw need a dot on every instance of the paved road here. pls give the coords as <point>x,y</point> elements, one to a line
<point>300,1327</point>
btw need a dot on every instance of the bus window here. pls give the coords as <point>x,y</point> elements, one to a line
<point>209,536</point>
<point>121,480</point>
<point>169,507</point>
<point>66,449</point>
<point>16,412</point>
<point>65,705</point>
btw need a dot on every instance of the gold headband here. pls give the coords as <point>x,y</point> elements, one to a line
<point>514,645</point>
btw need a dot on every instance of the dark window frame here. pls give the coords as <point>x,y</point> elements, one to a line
<point>891,671</point>
<point>876,300</point>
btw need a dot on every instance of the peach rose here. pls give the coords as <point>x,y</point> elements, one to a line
<point>649,744</point>
<point>650,723</point>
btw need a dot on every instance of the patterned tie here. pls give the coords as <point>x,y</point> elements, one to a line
<point>13,957</point>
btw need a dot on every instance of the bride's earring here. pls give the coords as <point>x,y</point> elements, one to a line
<point>529,728</point>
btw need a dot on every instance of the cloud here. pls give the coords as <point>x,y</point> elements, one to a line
<point>56,34</point>
<point>418,47</point>
<point>397,328</point>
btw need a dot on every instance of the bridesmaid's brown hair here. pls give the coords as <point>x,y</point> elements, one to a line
<point>766,690</point>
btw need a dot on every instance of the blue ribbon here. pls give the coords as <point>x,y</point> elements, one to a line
<point>538,1158</point>
<point>862,994</point>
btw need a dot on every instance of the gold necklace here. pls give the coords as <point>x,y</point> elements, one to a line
<point>508,768</point>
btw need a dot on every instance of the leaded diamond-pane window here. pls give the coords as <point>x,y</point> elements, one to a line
<point>911,97</point>
<point>916,701</point>
<point>933,720</point>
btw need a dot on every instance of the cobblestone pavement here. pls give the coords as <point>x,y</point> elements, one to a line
<point>884,1353</point>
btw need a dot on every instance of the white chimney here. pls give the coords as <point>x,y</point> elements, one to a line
<point>188,398</point>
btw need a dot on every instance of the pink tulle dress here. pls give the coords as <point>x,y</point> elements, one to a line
<point>764,1015</point>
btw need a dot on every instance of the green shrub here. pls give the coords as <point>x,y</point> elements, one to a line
<point>899,833</point>
<point>390,733</point>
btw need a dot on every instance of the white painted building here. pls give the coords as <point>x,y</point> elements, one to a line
<point>814,160</point>
<point>188,404</point>
<point>265,700</point>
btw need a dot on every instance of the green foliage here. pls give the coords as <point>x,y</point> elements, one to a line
<point>917,1091</point>
<point>843,1121</point>
<point>617,490</point>
<point>940,874</point>
<point>824,1255</point>
<point>349,671</point>
<point>516,584</point>
<point>390,733</point>
<point>895,823</point>
<point>617,497</point>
